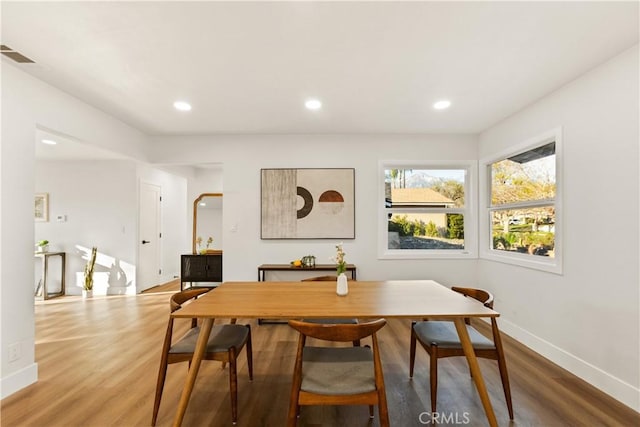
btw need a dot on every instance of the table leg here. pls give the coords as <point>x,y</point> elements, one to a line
<point>260,279</point>
<point>198,354</point>
<point>475,370</point>
<point>63,279</point>
<point>45,274</point>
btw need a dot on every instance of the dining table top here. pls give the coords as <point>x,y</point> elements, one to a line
<point>366,299</point>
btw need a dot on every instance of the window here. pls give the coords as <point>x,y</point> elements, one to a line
<point>521,205</point>
<point>426,210</point>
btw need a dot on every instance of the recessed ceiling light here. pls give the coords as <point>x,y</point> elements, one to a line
<point>313,104</point>
<point>442,104</point>
<point>182,106</point>
<point>49,142</point>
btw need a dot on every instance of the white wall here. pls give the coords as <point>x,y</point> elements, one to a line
<point>99,200</point>
<point>26,104</point>
<point>244,156</point>
<point>205,181</point>
<point>586,320</point>
<point>16,184</point>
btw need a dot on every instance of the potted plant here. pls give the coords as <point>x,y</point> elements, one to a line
<point>203,251</point>
<point>87,286</point>
<point>42,246</point>
<point>209,242</point>
<point>342,288</point>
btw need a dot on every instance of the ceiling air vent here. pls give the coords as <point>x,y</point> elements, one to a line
<point>16,56</point>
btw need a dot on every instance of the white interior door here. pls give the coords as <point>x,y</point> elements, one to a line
<point>149,265</point>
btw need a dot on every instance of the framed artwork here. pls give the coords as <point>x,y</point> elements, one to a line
<point>41,212</point>
<point>307,204</point>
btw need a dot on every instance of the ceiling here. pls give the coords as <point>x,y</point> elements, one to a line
<point>247,67</point>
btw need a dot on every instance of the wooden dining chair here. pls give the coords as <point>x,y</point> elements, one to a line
<point>338,375</point>
<point>321,279</point>
<point>440,339</point>
<point>224,345</point>
<point>331,321</point>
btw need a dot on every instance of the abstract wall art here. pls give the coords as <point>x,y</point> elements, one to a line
<point>308,204</point>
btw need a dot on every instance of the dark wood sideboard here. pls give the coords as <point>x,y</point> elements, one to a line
<point>205,268</point>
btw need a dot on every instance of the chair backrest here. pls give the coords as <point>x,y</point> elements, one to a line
<point>338,332</point>
<point>324,279</point>
<point>320,279</point>
<point>181,297</point>
<point>485,297</point>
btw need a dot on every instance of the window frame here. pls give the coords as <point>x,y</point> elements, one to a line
<point>552,265</point>
<point>469,211</point>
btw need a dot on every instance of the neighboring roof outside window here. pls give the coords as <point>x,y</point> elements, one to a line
<point>419,197</point>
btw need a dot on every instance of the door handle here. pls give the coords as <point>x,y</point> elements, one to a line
<point>146,241</point>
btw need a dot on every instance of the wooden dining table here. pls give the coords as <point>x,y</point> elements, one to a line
<point>413,299</point>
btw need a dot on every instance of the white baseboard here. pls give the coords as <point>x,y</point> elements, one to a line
<point>614,387</point>
<point>18,380</point>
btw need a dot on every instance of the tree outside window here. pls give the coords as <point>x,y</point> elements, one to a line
<point>523,191</point>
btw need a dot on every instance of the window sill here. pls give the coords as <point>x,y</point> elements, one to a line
<point>549,265</point>
<point>426,254</point>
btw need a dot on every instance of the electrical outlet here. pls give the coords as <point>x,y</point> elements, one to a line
<point>14,352</point>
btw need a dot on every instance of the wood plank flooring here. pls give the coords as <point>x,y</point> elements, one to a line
<point>98,362</point>
<point>172,285</point>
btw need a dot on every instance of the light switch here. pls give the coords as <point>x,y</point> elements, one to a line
<point>61,218</point>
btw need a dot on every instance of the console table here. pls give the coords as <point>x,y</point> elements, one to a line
<point>45,273</point>
<point>288,267</point>
<point>262,270</point>
<point>201,268</point>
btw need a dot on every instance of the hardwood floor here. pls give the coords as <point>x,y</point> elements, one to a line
<point>98,362</point>
<point>171,286</point>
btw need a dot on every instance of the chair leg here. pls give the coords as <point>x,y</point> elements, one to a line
<point>433,375</point>
<point>294,407</point>
<point>162,375</point>
<point>502,367</point>
<point>382,408</point>
<point>233,384</point>
<point>504,376</point>
<point>412,350</point>
<point>356,343</point>
<point>249,351</point>
<point>294,411</point>
<point>370,411</point>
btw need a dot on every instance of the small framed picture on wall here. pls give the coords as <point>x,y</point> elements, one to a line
<point>41,212</point>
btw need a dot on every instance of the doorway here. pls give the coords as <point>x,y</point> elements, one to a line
<point>149,238</point>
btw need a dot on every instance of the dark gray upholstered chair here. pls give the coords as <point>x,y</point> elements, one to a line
<point>440,339</point>
<point>225,343</point>
<point>338,375</point>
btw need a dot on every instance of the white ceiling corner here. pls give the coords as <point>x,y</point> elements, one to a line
<point>247,67</point>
